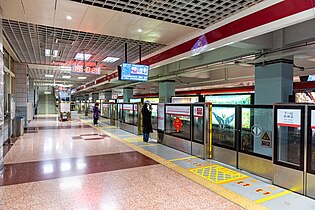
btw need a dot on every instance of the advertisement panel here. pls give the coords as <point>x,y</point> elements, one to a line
<point>160,116</point>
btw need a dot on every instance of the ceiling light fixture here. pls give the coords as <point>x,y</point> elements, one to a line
<point>81,77</point>
<point>69,17</point>
<point>110,60</point>
<point>55,53</point>
<point>82,56</point>
<point>49,75</point>
<point>139,30</point>
<point>66,77</point>
<point>65,68</point>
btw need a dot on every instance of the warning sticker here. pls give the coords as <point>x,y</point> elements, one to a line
<point>266,139</point>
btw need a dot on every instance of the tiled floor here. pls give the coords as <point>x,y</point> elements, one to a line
<point>55,171</point>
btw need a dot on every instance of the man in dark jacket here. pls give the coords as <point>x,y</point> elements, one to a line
<point>146,120</point>
<point>95,114</point>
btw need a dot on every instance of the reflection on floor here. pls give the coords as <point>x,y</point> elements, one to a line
<point>69,165</point>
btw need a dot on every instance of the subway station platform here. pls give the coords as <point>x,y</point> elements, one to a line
<point>74,165</point>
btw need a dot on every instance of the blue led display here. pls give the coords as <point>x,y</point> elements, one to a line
<point>134,72</point>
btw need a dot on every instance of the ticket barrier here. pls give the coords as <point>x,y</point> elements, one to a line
<point>131,117</point>
<point>184,127</point>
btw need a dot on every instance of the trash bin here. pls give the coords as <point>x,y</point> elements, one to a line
<point>19,126</point>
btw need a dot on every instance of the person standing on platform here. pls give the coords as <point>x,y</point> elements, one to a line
<point>146,120</point>
<point>95,113</point>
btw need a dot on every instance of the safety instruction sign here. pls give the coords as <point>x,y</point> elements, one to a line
<point>198,112</point>
<point>266,139</point>
<point>289,118</point>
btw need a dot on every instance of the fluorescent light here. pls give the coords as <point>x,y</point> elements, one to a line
<point>110,60</point>
<point>47,93</point>
<point>139,30</point>
<point>66,77</point>
<point>49,75</point>
<point>69,17</point>
<point>47,52</point>
<point>82,56</point>
<point>65,68</point>
<point>81,77</point>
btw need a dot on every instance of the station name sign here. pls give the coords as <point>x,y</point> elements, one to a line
<point>86,70</point>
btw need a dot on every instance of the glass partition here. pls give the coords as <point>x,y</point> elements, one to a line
<point>289,136</point>
<point>106,110</point>
<point>178,121</point>
<point>223,126</point>
<point>154,116</point>
<point>198,124</point>
<point>311,141</point>
<point>128,115</point>
<point>115,111</point>
<point>120,112</point>
<point>256,130</point>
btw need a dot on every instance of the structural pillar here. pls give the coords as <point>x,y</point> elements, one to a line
<point>127,94</point>
<point>95,96</point>
<point>21,91</point>
<point>108,95</point>
<point>166,91</point>
<point>274,82</point>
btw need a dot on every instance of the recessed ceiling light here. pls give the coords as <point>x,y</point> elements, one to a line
<point>69,17</point>
<point>82,56</point>
<point>49,75</point>
<point>110,60</point>
<point>81,77</point>
<point>47,93</point>
<point>55,53</point>
<point>139,30</point>
<point>66,77</point>
<point>65,68</point>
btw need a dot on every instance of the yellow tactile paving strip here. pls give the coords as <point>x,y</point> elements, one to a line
<point>218,174</point>
<point>220,190</point>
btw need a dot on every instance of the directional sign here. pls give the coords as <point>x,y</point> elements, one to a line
<point>256,130</point>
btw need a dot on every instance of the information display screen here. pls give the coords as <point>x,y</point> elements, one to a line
<point>86,70</point>
<point>134,72</point>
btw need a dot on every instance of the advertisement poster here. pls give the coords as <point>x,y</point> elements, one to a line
<point>160,116</point>
<point>289,118</point>
<point>223,116</point>
<point>229,99</point>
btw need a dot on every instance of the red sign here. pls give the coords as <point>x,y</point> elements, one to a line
<point>177,124</point>
<point>87,70</point>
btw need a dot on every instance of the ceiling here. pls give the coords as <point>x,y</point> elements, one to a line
<point>93,19</point>
<point>193,13</point>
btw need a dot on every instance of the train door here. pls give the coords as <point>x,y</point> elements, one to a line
<point>288,150</point>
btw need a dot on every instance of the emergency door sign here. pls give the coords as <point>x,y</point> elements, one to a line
<point>177,124</point>
<point>289,118</point>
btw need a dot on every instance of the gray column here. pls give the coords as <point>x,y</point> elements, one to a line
<point>21,90</point>
<point>274,82</point>
<point>95,96</point>
<point>166,91</point>
<point>127,94</point>
<point>108,95</point>
<point>31,93</point>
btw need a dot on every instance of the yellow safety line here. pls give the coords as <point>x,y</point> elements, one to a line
<point>185,158</point>
<point>149,145</point>
<point>271,197</point>
<point>218,189</point>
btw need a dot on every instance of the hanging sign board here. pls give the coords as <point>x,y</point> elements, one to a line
<point>86,70</point>
<point>289,118</point>
<point>160,116</point>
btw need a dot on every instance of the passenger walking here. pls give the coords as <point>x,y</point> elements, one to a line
<point>95,113</point>
<point>146,120</point>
